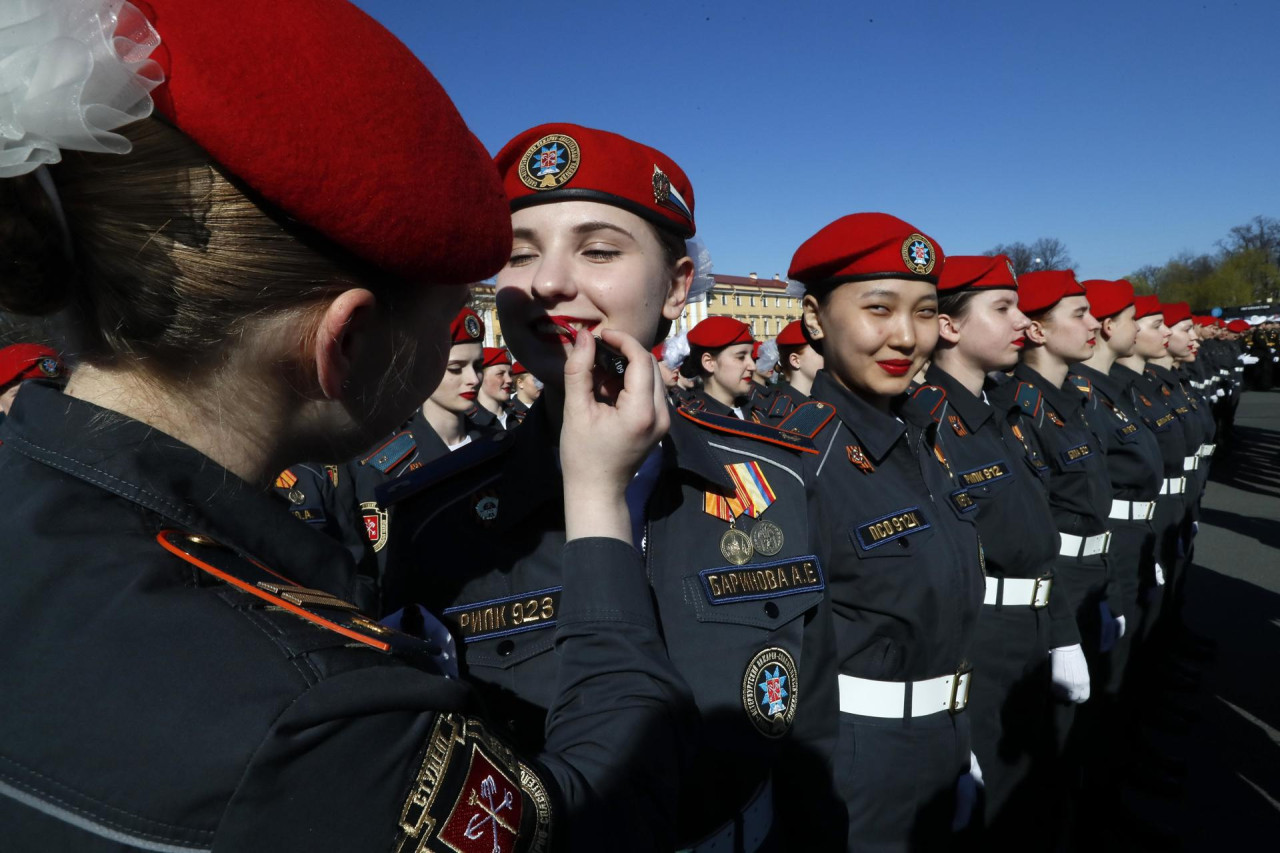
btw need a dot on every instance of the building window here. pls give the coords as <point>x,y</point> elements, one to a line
<point>724,299</point>
<point>737,300</point>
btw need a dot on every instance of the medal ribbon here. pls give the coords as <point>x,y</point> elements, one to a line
<point>753,494</point>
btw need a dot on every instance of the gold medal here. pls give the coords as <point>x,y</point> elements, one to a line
<point>736,546</point>
<point>767,538</point>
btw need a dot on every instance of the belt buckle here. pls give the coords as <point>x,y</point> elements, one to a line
<point>960,690</point>
<point>1151,511</point>
<point>1042,583</point>
<point>1106,542</point>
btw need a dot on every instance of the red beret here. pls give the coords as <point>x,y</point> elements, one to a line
<point>518,369</point>
<point>719,332</point>
<point>1107,297</point>
<point>466,328</point>
<point>866,246</point>
<point>493,356</point>
<point>792,335</point>
<point>1220,323</point>
<point>657,351</point>
<point>1237,326</point>
<point>28,361</point>
<point>568,162</point>
<point>1202,320</point>
<point>1040,291</point>
<point>963,271</point>
<point>1145,306</point>
<point>1175,312</point>
<point>328,117</point>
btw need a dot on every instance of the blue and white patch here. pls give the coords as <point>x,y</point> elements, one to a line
<point>771,691</point>
<point>502,617</point>
<point>550,162</point>
<point>918,254</point>
<point>763,580</point>
<point>887,528</point>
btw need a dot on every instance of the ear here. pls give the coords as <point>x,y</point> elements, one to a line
<point>948,328</point>
<point>811,318</point>
<point>1107,327</point>
<point>1035,333</point>
<point>793,360</point>
<point>678,292</point>
<point>708,362</point>
<point>340,337</point>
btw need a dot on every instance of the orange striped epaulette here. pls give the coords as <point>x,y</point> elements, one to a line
<point>790,439</point>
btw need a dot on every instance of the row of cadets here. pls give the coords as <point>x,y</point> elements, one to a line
<point>1002,479</point>
<point>720,359</point>
<point>799,363</point>
<point>718,509</point>
<point>212,687</point>
<point>903,562</point>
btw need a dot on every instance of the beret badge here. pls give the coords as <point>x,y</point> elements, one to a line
<point>472,327</point>
<point>1012,274</point>
<point>550,162</point>
<point>49,367</point>
<point>918,254</point>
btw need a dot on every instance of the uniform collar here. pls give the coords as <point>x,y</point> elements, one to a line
<point>972,410</point>
<point>877,430</point>
<point>174,480</point>
<point>712,405</point>
<point>1111,387</point>
<point>1063,400</point>
<point>1125,376</point>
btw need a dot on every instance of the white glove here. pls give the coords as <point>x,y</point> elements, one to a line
<point>1159,575</point>
<point>1112,628</point>
<point>967,787</point>
<point>1070,673</point>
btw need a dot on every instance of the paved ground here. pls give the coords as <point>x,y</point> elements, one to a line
<point>1228,731</point>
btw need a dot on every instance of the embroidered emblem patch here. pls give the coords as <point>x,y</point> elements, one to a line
<point>331,471</point>
<point>771,691</point>
<point>550,162</point>
<point>957,425</point>
<point>763,580</point>
<point>918,254</point>
<point>471,326</point>
<point>486,507</point>
<point>49,367</point>
<point>469,795</point>
<point>375,524</point>
<point>858,458</point>
<point>895,525</point>
<point>286,480</point>
<point>500,617</point>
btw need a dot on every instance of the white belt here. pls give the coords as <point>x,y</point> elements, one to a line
<point>757,820</point>
<point>1084,546</point>
<point>1174,486</point>
<point>1239,369</point>
<point>1029,592</point>
<point>1207,450</point>
<point>1132,510</point>
<point>888,699</point>
<point>1189,463</point>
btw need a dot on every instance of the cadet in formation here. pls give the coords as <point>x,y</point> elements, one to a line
<point>181,668</point>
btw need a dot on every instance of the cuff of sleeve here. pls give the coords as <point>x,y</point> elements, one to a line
<point>604,581</point>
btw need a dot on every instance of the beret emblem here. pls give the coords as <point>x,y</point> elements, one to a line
<point>918,254</point>
<point>550,162</point>
<point>471,326</point>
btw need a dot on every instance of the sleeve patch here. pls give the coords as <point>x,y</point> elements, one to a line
<point>471,794</point>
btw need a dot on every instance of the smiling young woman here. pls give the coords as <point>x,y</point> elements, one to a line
<point>905,569</point>
<point>718,511</point>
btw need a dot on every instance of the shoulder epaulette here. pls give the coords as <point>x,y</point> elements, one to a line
<point>809,418</point>
<point>693,404</point>
<point>933,400</point>
<point>781,406</point>
<point>1028,399</point>
<point>392,453</point>
<point>318,607</point>
<point>1081,384</point>
<point>748,429</point>
<point>445,468</point>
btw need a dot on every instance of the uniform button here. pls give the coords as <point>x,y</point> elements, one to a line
<point>902,543</point>
<point>506,647</point>
<point>771,610</point>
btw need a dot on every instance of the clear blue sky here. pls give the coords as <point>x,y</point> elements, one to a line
<point>1132,129</point>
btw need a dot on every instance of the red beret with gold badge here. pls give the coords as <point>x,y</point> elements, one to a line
<point>1040,291</point>
<point>863,247</point>
<point>466,328</point>
<point>1145,306</point>
<point>1175,312</point>
<point>792,335</point>
<point>329,118</point>
<point>28,361</point>
<point>493,356</point>
<point>973,271</point>
<point>719,332</point>
<point>1107,297</point>
<point>568,162</point>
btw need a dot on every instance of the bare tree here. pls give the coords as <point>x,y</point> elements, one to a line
<point>1261,232</point>
<point>1050,253</point>
<point>1020,255</point>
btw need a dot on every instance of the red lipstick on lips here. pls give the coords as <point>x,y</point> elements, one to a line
<point>1092,342</point>
<point>895,366</point>
<point>468,395</point>
<point>569,332</point>
<point>1020,342</point>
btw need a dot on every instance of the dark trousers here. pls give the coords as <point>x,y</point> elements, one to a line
<point>1130,558</point>
<point>898,779</point>
<point>1009,709</point>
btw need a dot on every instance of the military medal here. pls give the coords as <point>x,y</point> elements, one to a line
<point>296,497</point>
<point>736,546</point>
<point>1057,421</point>
<point>767,538</point>
<point>956,425</point>
<point>858,458</point>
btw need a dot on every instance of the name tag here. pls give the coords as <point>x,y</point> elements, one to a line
<point>763,580</point>
<point>500,617</point>
<point>904,522</point>
<point>309,514</point>
<point>1182,411</point>
<point>1075,454</point>
<point>963,501</point>
<point>985,474</point>
<point>1126,432</point>
<point>1162,424</point>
